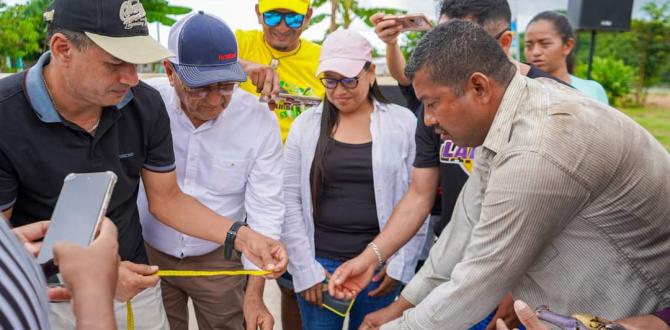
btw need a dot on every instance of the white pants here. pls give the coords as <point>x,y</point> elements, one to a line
<point>147,309</point>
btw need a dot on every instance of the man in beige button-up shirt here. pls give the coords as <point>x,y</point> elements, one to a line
<point>568,204</point>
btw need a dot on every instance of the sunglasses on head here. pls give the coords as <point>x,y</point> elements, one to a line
<point>292,20</point>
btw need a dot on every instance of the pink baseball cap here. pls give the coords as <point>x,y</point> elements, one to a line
<point>344,52</point>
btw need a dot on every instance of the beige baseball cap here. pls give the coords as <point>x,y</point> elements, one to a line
<point>118,26</point>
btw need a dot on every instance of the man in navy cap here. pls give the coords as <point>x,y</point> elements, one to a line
<point>228,153</point>
<point>81,108</point>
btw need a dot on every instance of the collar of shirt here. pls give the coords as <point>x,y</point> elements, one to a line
<point>501,127</point>
<point>38,96</point>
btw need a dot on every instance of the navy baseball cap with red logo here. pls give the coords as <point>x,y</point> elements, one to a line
<point>205,51</point>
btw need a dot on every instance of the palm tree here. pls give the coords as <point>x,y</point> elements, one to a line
<point>349,11</point>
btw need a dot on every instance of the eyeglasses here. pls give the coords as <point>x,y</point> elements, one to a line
<point>292,20</point>
<point>497,36</point>
<point>202,92</point>
<point>348,83</point>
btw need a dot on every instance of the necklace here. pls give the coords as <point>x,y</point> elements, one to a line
<point>274,63</point>
<point>51,98</point>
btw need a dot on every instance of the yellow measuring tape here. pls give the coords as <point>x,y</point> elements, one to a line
<point>130,318</point>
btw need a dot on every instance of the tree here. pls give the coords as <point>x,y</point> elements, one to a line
<point>652,41</point>
<point>23,31</point>
<point>616,77</point>
<point>19,34</point>
<point>161,11</point>
<point>344,12</point>
<point>410,41</point>
<point>646,48</point>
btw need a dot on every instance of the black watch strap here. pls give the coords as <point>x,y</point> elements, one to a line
<point>229,245</point>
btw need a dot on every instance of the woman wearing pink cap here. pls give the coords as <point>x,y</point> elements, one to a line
<point>347,163</point>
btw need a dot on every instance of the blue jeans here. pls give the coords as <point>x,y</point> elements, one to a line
<point>319,318</point>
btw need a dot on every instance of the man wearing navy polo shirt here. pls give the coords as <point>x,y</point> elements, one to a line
<point>81,108</point>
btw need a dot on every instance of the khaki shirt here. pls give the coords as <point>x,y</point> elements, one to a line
<point>568,206</point>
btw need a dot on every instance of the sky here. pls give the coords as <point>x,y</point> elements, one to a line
<point>239,14</point>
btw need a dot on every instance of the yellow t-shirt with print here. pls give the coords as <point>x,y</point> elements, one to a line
<point>297,70</point>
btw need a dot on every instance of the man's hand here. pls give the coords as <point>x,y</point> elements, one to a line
<point>505,312</point>
<point>256,314</point>
<point>30,234</point>
<point>263,77</point>
<point>90,274</point>
<point>643,322</point>
<point>391,312</point>
<point>133,278</point>
<point>262,251</point>
<point>314,295</point>
<point>387,30</point>
<point>352,276</point>
<point>526,315</point>
<point>386,286</point>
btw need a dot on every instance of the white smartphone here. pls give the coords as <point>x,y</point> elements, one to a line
<point>411,22</point>
<point>80,208</point>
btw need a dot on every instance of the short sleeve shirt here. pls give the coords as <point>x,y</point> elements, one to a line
<point>38,148</point>
<point>296,69</point>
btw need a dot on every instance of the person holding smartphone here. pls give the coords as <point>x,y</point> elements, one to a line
<point>441,168</point>
<point>23,286</point>
<point>278,47</point>
<point>535,184</point>
<point>81,108</point>
<point>347,163</point>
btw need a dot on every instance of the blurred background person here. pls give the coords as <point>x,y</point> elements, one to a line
<point>550,46</point>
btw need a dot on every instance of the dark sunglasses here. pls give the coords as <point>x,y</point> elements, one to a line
<point>292,20</point>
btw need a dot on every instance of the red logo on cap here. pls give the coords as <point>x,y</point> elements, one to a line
<point>223,57</point>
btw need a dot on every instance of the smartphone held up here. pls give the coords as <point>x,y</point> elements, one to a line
<point>411,22</point>
<point>79,210</point>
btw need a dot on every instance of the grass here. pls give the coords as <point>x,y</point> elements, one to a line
<point>656,120</point>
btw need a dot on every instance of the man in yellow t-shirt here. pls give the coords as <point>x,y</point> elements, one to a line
<point>279,46</point>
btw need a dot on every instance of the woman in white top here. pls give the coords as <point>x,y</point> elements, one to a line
<point>347,163</point>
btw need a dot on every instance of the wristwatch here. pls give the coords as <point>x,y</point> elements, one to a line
<point>229,244</point>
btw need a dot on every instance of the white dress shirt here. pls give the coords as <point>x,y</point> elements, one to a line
<point>231,164</point>
<point>393,149</point>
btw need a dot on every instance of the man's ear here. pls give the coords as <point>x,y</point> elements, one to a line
<point>61,47</point>
<point>480,87</point>
<point>258,14</point>
<point>505,41</point>
<point>308,17</point>
<point>169,71</point>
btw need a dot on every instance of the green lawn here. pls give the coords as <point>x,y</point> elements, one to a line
<point>656,120</point>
